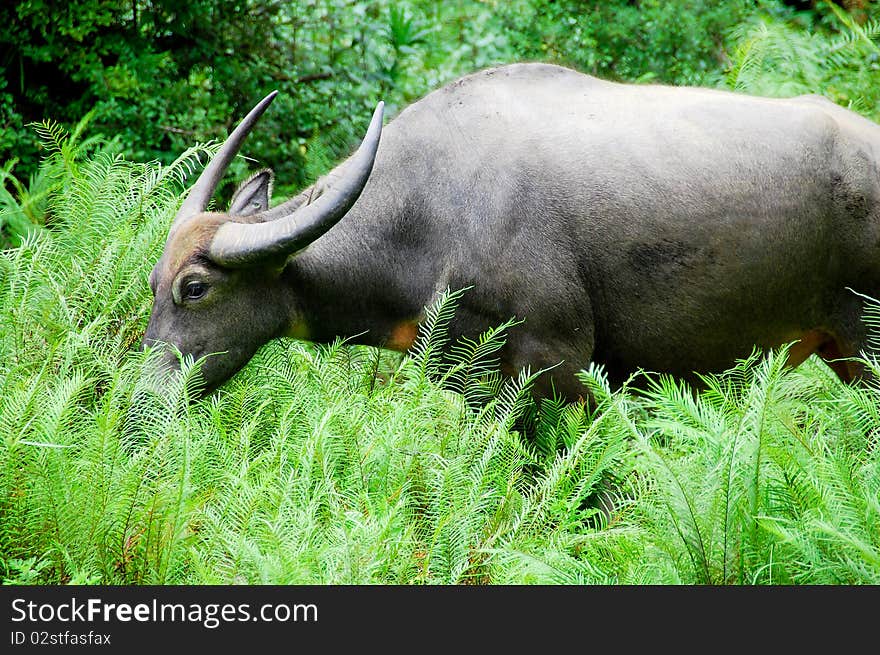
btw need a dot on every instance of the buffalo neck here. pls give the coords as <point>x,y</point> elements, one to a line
<point>366,280</point>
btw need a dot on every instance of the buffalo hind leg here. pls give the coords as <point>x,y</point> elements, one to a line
<point>839,360</point>
<point>832,349</point>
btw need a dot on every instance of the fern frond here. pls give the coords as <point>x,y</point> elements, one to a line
<point>433,335</point>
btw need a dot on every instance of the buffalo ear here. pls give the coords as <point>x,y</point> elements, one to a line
<point>252,196</point>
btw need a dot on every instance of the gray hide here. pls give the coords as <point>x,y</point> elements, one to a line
<point>639,226</point>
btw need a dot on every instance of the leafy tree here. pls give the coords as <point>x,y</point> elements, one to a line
<point>162,75</point>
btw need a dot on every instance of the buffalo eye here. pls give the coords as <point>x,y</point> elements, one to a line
<point>194,290</point>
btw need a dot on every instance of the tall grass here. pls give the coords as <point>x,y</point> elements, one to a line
<point>345,464</point>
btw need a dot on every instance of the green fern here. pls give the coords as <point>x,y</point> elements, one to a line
<point>774,58</point>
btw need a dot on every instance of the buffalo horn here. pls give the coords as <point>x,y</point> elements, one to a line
<point>200,193</point>
<point>245,244</point>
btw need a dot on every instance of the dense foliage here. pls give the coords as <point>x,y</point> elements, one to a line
<point>160,75</point>
<point>347,464</point>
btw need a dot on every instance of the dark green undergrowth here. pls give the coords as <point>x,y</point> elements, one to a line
<point>160,75</point>
<point>343,464</point>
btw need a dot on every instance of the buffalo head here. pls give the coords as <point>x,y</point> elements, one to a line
<point>218,286</point>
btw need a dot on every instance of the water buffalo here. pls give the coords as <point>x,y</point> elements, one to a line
<point>638,226</point>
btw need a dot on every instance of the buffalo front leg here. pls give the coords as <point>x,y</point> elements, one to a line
<point>562,360</point>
